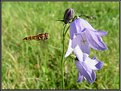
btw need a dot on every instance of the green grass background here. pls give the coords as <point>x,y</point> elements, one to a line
<point>37,64</point>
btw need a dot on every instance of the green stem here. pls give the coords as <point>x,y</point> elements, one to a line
<point>62,60</point>
<point>66,30</point>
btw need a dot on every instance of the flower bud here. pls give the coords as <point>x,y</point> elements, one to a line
<point>69,14</point>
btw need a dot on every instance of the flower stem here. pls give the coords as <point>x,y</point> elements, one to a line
<point>62,60</point>
<point>66,30</point>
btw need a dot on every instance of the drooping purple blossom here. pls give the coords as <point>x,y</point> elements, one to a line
<point>84,35</point>
<point>86,66</point>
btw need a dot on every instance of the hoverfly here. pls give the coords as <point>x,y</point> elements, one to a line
<point>41,36</point>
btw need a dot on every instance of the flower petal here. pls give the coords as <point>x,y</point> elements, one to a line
<point>85,48</point>
<point>78,53</point>
<point>70,49</point>
<point>78,25</point>
<point>82,42</point>
<point>97,63</point>
<point>74,28</point>
<point>93,75</point>
<point>85,24</point>
<point>93,63</point>
<point>85,71</point>
<point>94,40</point>
<point>80,77</point>
<point>101,33</point>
